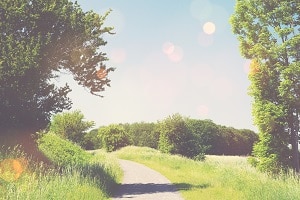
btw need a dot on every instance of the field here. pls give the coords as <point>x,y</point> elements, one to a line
<point>219,177</point>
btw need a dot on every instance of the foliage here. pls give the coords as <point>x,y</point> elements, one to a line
<point>113,137</point>
<point>91,140</point>
<point>268,32</point>
<point>143,134</point>
<point>176,138</point>
<point>71,126</point>
<point>204,131</point>
<point>202,137</point>
<point>38,40</point>
<point>62,152</point>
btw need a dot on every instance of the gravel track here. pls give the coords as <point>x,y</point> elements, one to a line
<point>141,182</point>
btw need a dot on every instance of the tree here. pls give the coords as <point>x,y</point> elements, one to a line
<point>143,134</point>
<point>176,138</point>
<point>39,39</point>
<point>249,139</point>
<point>268,32</point>
<point>71,126</point>
<point>113,137</point>
<point>92,141</point>
<point>204,131</point>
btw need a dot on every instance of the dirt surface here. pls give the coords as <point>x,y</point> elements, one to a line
<point>141,182</point>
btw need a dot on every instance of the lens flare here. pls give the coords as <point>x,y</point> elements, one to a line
<point>168,48</point>
<point>209,28</point>
<point>173,52</point>
<point>101,73</point>
<point>11,169</point>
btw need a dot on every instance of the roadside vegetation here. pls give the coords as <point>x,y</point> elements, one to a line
<point>218,177</point>
<point>71,174</point>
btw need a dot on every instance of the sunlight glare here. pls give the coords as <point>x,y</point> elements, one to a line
<point>168,48</point>
<point>101,73</point>
<point>173,52</point>
<point>176,55</point>
<point>11,169</point>
<point>209,28</point>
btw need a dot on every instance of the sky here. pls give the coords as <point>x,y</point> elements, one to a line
<point>170,57</point>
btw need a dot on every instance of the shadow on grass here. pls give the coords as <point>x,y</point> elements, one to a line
<point>97,173</point>
<point>186,186</point>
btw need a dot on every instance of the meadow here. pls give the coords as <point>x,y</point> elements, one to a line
<point>218,177</point>
<point>95,174</point>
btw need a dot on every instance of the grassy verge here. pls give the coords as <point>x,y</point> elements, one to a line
<point>219,177</point>
<point>94,177</point>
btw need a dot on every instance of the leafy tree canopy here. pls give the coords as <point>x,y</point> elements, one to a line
<point>39,39</point>
<point>113,137</point>
<point>71,126</point>
<point>268,32</point>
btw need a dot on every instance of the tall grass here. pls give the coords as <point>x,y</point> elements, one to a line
<point>219,177</point>
<point>68,184</point>
<point>94,177</point>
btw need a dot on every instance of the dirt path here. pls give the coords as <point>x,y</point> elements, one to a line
<point>141,182</point>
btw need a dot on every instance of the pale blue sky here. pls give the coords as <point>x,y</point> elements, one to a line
<point>166,64</point>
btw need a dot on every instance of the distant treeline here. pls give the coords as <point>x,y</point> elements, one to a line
<point>176,135</point>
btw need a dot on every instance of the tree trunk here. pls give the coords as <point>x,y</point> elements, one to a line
<point>295,143</point>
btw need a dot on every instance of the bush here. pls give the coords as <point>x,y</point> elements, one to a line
<point>143,134</point>
<point>92,141</point>
<point>71,126</point>
<point>113,137</point>
<point>176,138</point>
<point>62,152</point>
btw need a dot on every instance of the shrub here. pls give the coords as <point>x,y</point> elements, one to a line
<point>176,138</point>
<point>143,134</point>
<point>62,152</point>
<point>92,141</point>
<point>113,137</point>
<point>71,126</point>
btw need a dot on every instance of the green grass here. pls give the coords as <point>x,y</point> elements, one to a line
<point>219,177</point>
<point>92,178</point>
<point>52,185</point>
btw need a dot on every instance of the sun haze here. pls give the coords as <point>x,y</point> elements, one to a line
<point>170,57</point>
<point>209,28</point>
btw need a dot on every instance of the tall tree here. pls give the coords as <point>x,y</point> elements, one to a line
<point>268,31</point>
<point>39,39</point>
